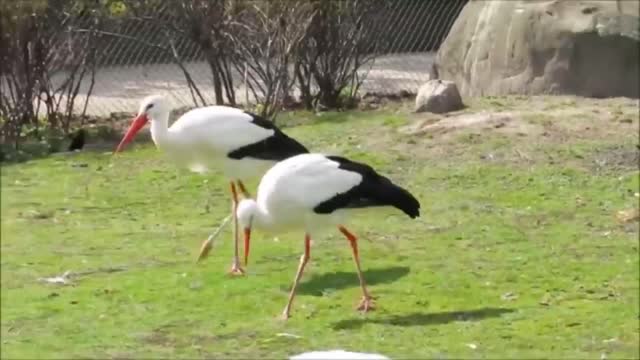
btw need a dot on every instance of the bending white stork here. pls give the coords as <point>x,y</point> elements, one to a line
<point>310,192</point>
<point>241,144</point>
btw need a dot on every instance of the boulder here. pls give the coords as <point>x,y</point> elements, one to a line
<point>438,96</point>
<point>586,48</point>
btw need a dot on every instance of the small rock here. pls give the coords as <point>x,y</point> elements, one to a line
<point>438,96</point>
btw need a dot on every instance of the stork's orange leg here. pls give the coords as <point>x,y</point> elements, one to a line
<point>236,269</point>
<point>366,303</point>
<point>243,189</point>
<point>208,244</point>
<point>303,261</point>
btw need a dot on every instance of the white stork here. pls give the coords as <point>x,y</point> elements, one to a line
<point>310,192</point>
<point>241,144</point>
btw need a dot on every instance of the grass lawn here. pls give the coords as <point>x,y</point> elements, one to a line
<point>518,252</point>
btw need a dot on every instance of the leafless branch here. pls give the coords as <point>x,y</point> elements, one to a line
<point>341,40</point>
<point>265,38</point>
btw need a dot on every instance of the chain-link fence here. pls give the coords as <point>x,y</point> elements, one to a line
<point>138,53</point>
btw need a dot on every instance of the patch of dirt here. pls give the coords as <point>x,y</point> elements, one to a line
<point>507,122</point>
<point>159,337</point>
<point>617,157</point>
<point>578,116</point>
<point>527,122</point>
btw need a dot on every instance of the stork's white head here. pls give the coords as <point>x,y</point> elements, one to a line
<point>152,108</point>
<point>246,211</point>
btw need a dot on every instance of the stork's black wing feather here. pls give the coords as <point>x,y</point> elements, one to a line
<point>277,147</point>
<point>373,190</point>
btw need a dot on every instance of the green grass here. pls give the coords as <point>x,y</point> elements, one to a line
<point>510,258</point>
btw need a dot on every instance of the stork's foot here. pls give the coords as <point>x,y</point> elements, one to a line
<point>285,315</point>
<point>205,249</point>
<point>366,304</point>
<point>236,270</point>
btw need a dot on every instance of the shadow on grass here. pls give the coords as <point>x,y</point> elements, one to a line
<point>343,280</point>
<point>421,319</point>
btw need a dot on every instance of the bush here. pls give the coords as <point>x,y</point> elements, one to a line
<point>342,38</point>
<point>41,41</point>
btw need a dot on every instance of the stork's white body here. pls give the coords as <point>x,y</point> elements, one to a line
<point>291,191</point>
<point>240,144</point>
<point>292,188</point>
<point>201,139</point>
<point>313,192</point>
<point>338,355</point>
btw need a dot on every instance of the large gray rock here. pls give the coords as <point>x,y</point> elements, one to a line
<point>438,96</point>
<point>587,48</point>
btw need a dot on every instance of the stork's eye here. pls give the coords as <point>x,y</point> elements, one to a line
<point>148,107</point>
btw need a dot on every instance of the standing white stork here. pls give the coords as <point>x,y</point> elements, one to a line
<point>311,192</point>
<point>241,144</point>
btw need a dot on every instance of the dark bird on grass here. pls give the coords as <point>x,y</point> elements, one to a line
<point>78,140</point>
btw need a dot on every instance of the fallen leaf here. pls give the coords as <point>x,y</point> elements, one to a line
<point>60,280</point>
<point>628,215</point>
<point>472,346</point>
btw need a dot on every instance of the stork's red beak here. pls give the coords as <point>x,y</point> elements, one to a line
<point>138,123</point>
<point>247,241</point>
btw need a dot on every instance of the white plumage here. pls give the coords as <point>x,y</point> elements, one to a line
<point>201,138</point>
<point>294,187</point>
<point>240,144</point>
<point>310,192</point>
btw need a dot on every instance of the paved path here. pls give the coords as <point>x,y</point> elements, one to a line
<point>120,89</point>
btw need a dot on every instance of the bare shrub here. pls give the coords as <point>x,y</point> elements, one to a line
<point>44,60</point>
<point>206,22</point>
<point>201,22</point>
<point>265,38</point>
<point>341,39</point>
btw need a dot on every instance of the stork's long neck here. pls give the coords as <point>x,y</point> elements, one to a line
<point>262,219</point>
<point>160,130</point>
